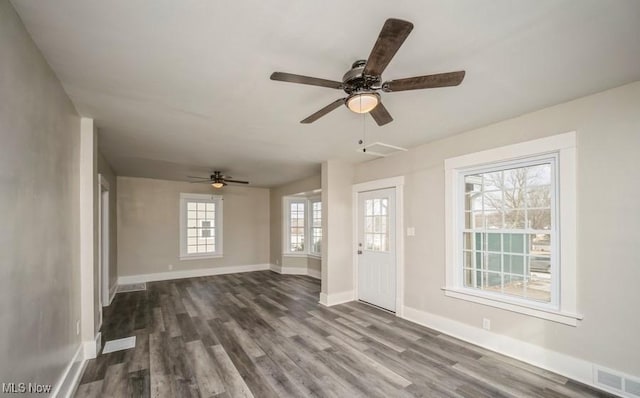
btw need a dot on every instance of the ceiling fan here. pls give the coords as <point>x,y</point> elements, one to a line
<point>217,180</point>
<point>363,81</point>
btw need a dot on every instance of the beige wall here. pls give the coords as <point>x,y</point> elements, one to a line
<point>148,226</point>
<point>107,172</point>
<point>337,226</point>
<point>39,202</point>
<point>276,195</point>
<point>608,129</point>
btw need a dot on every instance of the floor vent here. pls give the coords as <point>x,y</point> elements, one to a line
<point>381,149</point>
<point>119,345</point>
<point>616,382</point>
<point>134,287</point>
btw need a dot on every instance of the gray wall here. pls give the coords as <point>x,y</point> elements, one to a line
<point>39,202</point>
<point>107,172</point>
<point>608,130</point>
<point>148,226</point>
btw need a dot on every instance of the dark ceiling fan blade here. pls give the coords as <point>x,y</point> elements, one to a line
<point>429,81</point>
<point>381,115</point>
<point>313,81</point>
<point>201,182</point>
<point>235,181</point>
<point>335,104</point>
<point>201,178</point>
<point>394,32</point>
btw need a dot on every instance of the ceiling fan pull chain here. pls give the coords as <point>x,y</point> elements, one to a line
<point>364,130</point>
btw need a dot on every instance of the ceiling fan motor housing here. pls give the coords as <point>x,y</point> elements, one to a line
<point>355,80</point>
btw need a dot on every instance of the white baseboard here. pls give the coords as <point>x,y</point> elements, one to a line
<point>336,298</point>
<point>288,270</point>
<point>68,382</point>
<point>112,292</point>
<point>565,365</point>
<point>192,273</point>
<point>92,347</point>
<point>295,271</point>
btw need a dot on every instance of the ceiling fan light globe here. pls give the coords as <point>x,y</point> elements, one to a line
<point>217,185</point>
<point>363,102</point>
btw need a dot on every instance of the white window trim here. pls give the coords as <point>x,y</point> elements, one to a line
<point>184,197</point>
<point>564,147</point>
<point>308,201</point>
<point>313,200</point>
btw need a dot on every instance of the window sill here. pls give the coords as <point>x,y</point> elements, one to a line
<point>543,313</point>
<point>200,256</point>
<point>302,255</point>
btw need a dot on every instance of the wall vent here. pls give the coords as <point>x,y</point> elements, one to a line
<point>632,387</point>
<point>133,287</point>
<point>616,382</point>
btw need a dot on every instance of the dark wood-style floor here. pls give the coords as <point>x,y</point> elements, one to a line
<point>264,334</point>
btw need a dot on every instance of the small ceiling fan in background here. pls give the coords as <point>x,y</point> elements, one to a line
<point>363,81</point>
<point>217,180</point>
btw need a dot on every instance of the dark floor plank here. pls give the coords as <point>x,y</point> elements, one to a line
<point>262,334</point>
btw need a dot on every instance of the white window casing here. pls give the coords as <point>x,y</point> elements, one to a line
<point>200,227</point>
<point>307,231</point>
<point>559,151</point>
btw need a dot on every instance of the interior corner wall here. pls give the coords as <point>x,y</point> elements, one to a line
<point>275,209</point>
<point>104,168</point>
<point>148,219</point>
<point>39,203</point>
<point>337,227</point>
<point>608,141</point>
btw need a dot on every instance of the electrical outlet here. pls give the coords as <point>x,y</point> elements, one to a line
<point>411,231</point>
<point>170,267</point>
<point>486,324</point>
<point>77,328</point>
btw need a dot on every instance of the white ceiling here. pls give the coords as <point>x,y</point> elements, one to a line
<point>182,87</point>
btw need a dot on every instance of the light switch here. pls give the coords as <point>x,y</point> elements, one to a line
<point>411,231</point>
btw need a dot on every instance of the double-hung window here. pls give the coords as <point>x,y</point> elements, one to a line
<point>511,228</point>
<point>200,226</point>
<point>303,226</point>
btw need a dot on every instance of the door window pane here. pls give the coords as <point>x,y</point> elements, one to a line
<point>376,224</point>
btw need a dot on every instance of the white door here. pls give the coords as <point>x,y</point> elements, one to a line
<point>377,248</point>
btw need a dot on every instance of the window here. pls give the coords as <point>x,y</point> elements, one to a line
<point>296,226</point>
<point>303,226</point>
<point>509,230</point>
<point>200,226</point>
<point>316,227</point>
<point>376,225</point>
<point>504,243</point>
